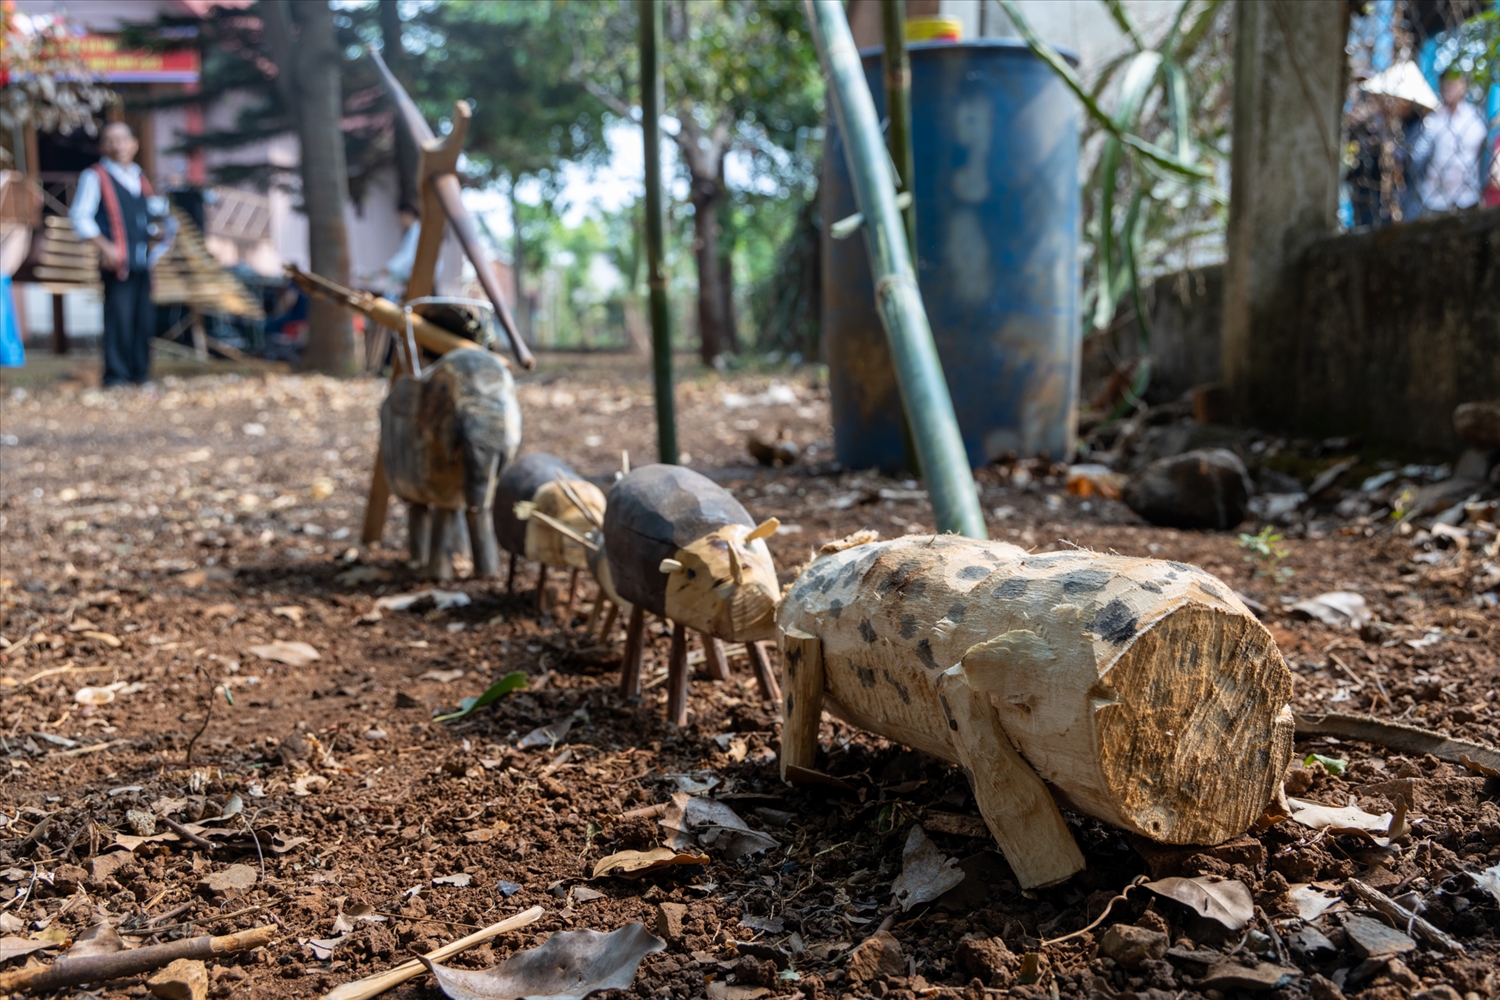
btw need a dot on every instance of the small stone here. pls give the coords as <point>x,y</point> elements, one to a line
<point>554,788</point>
<point>1440,992</point>
<point>1373,939</point>
<point>987,959</point>
<point>669,918</point>
<point>752,971</point>
<point>184,979</point>
<point>235,878</point>
<point>1207,488</point>
<point>480,835</point>
<point>1324,988</point>
<point>141,821</point>
<point>404,700</point>
<point>1401,975</point>
<point>1478,423</point>
<point>1130,946</point>
<point>375,735</point>
<point>877,955</point>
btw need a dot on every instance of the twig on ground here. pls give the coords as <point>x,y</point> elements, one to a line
<point>1100,918</point>
<point>1411,923</point>
<point>117,965</point>
<point>1396,736</point>
<point>187,834</point>
<point>363,989</point>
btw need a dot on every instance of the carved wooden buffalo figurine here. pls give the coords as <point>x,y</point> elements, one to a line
<point>444,438</point>
<point>1142,692</point>
<point>570,507</point>
<point>682,548</point>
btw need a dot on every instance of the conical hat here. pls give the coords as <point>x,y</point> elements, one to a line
<point>1405,81</point>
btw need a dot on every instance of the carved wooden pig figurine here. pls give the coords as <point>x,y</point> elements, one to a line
<point>1142,692</point>
<point>444,438</point>
<point>545,483</point>
<point>682,548</point>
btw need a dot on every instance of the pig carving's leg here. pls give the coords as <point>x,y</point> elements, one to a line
<point>572,596</point>
<point>677,678</point>
<point>417,529</point>
<point>440,543</point>
<point>481,523</point>
<point>510,579</point>
<point>1015,804</point>
<point>769,689</point>
<point>593,618</point>
<point>714,658</point>
<point>541,588</point>
<point>801,698</point>
<point>635,649</point>
<point>608,628</point>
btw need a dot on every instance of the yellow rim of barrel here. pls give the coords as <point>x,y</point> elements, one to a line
<point>934,29</point>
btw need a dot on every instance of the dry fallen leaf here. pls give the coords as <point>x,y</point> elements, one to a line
<point>93,696</point>
<point>632,864</point>
<point>1340,608</point>
<point>1311,900</point>
<point>696,819</point>
<point>1345,819</point>
<point>443,600</point>
<point>570,965</point>
<point>100,939</point>
<point>443,676</point>
<point>1225,900</point>
<point>925,873</point>
<point>1488,880</point>
<point>293,654</point>
<point>309,784</point>
<point>290,612</point>
<point>103,637</point>
<point>14,947</point>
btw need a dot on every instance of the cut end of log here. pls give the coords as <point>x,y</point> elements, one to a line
<point>1194,727</point>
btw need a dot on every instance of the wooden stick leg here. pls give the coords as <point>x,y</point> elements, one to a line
<point>677,678</point>
<point>593,618</point>
<point>714,658</point>
<point>482,540</point>
<point>572,596</point>
<point>541,588</point>
<point>510,579</point>
<point>769,689</point>
<point>417,530</point>
<point>608,628</point>
<point>1015,804</point>
<point>380,494</point>
<point>635,649</point>
<point>440,544</point>
<point>801,698</point>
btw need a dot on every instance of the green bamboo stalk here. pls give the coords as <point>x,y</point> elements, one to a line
<point>897,65</point>
<point>656,275</point>
<point>919,373</point>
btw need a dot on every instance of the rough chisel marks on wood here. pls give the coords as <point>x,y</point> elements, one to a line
<point>1153,700</point>
<point>444,438</point>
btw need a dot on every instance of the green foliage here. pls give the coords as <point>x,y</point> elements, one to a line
<point>1266,550</point>
<point>1333,765</point>
<point>510,682</point>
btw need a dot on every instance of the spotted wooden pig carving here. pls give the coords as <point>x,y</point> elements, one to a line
<point>682,548</point>
<point>444,438</point>
<point>1141,692</point>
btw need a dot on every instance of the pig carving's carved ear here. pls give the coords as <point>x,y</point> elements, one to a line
<point>670,566</point>
<point>988,665</point>
<point>764,529</point>
<point>736,567</point>
<point>524,509</point>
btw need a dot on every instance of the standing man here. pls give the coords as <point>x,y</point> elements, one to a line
<point>1448,150</point>
<point>110,211</point>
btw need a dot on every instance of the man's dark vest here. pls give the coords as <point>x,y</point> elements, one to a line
<point>133,216</point>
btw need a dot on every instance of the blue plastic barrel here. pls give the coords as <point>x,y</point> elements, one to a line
<point>995,136</point>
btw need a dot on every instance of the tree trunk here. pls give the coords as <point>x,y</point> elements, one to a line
<point>407,153</point>
<point>713,324</point>
<point>309,87</point>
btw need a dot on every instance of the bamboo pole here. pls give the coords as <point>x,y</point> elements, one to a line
<point>897,65</point>
<point>919,373</point>
<point>656,276</point>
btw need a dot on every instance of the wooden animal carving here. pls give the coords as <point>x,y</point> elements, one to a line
<point>444,438</point>
<point>546,484</point>
<point>682,548</point>
<point>1141,692</point>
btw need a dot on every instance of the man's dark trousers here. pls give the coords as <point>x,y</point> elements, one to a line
<point>129,325</point>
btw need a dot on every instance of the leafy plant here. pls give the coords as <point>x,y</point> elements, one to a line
<point>1151,199</point>
<point>1333,765</point>
<point>510,682</point>
<point>1266,549</point>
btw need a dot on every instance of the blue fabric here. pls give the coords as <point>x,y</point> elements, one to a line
<point>12,354</point>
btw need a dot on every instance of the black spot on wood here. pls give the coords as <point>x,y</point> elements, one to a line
<point>974,572</point>
<point>904,580</point>
<point>835,608</point>
<point>867,631</point>
<point>901,691</point>
<point>955,612</point>
<point>1115,622</point>
<point>1084,581</point>
<point>953,724</point>
<point>791,703</point>
<point>1011,590</point>
<point>908,626</point>
<point>1212,591</point>
<point>866,676</point>
<point>924,653</point>
<point>1148,585</point>
<point>1181,567</point>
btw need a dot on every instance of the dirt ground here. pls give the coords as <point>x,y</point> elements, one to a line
<point>150,539</point>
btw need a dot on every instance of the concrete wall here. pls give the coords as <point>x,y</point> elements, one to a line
<point>1382,334</point>
<point>1187,313</point>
